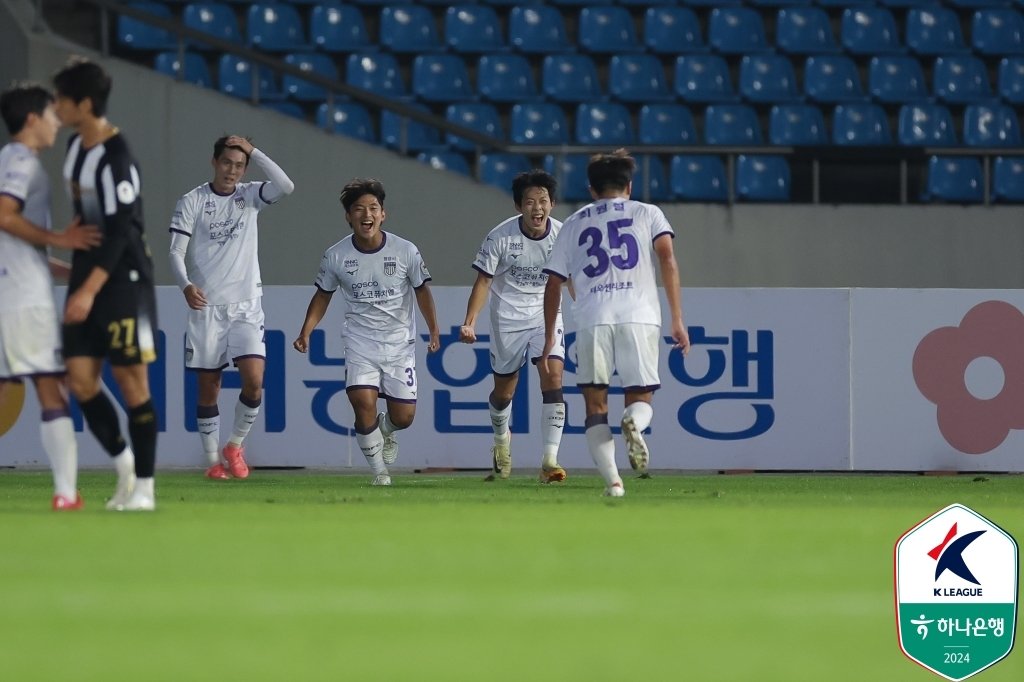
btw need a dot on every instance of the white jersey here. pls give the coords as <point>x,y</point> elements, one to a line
<point>607,247</point>
<point>516,261</point>
<point>378,290</point>
<point>25,280</point>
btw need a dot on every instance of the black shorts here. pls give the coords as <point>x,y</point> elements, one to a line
<point>121,327</point>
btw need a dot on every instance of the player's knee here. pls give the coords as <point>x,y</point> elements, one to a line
<point>402,420</point>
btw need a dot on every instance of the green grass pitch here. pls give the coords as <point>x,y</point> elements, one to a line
<point>318,576</point>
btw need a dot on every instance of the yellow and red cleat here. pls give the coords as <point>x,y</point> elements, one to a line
<point>61,503</point>
<point>234,455</point>
<point>555,474</point>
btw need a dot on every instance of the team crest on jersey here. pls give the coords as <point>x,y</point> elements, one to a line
<point>239,203</point>
<point>390,266</point>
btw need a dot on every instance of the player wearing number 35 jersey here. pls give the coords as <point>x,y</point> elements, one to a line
<point>608,248</point>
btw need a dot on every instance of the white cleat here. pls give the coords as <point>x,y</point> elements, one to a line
<point>122,494</point>
<point>639,455</point>
<point>139,501</point>
<point>381,479</point>
<point>501,458</point>
<point>390,452</point>
<point>614,490</point>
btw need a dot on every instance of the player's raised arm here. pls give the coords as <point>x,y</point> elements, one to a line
<point>314,313</point>
<point>278,183</point>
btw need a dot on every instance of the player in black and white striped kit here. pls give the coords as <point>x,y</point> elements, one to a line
<point>110,313</point>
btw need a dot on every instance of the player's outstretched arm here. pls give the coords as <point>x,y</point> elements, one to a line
<point>425,301</point>
<point>76,236</point>
<point>552,304</point>
<point>314,313</point>
<point>477,299</point>
<point>670,280</point>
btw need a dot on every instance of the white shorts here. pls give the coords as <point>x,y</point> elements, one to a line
<point>219,334</point>
<point>629,349</point>
<point>392,374</point>
<point>510,350</point>
<point>30,343</point>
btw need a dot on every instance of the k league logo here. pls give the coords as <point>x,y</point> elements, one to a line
<point>956,578</point>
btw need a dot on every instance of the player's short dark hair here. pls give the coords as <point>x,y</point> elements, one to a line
<point>222,143</point>
<point>20,100</point>
<point>612,171</point>
<point>533,178</point>
<point>81,79</point>
<point>358,187</point>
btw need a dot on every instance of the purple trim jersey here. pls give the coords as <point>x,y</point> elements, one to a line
<point>24,271</point>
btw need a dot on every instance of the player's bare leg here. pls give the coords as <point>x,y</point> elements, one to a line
<point>246,410</point>
<point>208,383</point>
<point>398,416</point>
<point>599,438</point>
<point>368,434</point>
<point>499,405</point>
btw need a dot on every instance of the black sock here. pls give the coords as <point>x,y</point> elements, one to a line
<point>102,420</point>
<point>142,428</point>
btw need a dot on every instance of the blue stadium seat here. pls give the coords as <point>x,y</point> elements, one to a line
<point>499,168</point>
<point>762,177</point>
<point>804,30</point>
<point>956,179</point>
<point>768,4</point>
<point>925,124</point>
<point>347,118</point>
<point>376,72</point>
<point>275,27</point>
<point>194,71</point>
<point>1011,79</point>
<point>537,29</point>
<point>907,4</point>
<point>649,180</point>
<point>960,79</point>
<point>139,35</point>
<point>698,178</point>
<point>767,78</point>
<point>832,78</point>
<point>505,78</point>
<point>647,3</point>
<point>896,79</point>
<point>997,31</point>
<point>731,124</point>
<point>607,29</point>
<point>570,78</point>
<point>860,124</point>
<point>441,78</point>
<point>334,27</point>
<point>407,135</point>
<point>796,125</point>
<point>991,125</point>
<point>408,28</point>
<point>672,29</point>
<point>538,123</point>
<point>287,108</point>
<point>473,29</point>
<point>637,78</point>
<point>234,77</point>
<point>1008,179</point>
<point>214,18</point>
<point>736,30</point>
<point>603,123</point>
<point>571,172</point>
<point>447,161</point>
<point>869,30</point>
<point>703,78</point>
<point>666,124</point>
<point>479,116</point>
<point>844,3</point>
<point>976,4</point>
<point>310,62</point>
<point>934,31</point>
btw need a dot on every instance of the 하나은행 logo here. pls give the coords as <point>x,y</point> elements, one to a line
<point>956,577</point>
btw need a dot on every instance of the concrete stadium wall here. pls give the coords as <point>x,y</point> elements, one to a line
<point>171,127</point>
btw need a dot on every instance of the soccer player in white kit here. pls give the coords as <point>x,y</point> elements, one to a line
<point>378,274</point>
<point>608,249</point>
<point>30,343</point>
<point>509,265</point>
<point>214,256</point>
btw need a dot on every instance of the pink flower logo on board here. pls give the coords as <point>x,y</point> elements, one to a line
<point>993,329</point>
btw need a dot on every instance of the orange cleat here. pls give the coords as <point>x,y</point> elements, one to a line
<point>552,474</point>
<point>234,455</point>
<point>61,503</point>
<point>218,472</point>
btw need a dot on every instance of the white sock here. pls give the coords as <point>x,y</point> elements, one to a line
<point>209,436</point>
<point>124,463</point>
<point>386,426</point>
<point>499,421</point>
<point>641,412</point>
<point>144,486</point>
<point>372,444</point>
<point>245,417</point>
<point>552,424</point>
<point>602,449</point>
<point>58,436</point>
